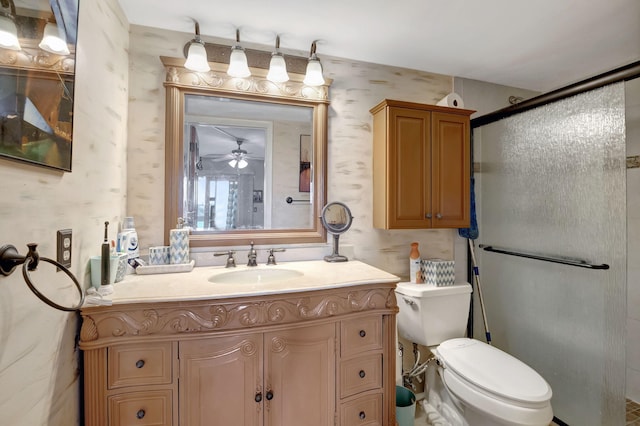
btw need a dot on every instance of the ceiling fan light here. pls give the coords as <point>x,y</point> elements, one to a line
<point>277,69</point>
<point>54,41</point>
<point>314,76</point>
<point>197,57</point>
<point>238,63</point>
<point>241,164</point>
<point>8,33</point>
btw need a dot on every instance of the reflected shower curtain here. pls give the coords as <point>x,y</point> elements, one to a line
<point>552,182</point>
<point>232,205</point>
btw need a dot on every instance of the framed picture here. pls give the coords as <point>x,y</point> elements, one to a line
<point>257,196</point>
<point>37,85</point>
<point>305,164</point>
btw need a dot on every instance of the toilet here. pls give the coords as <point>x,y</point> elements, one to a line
<point>471,383</point>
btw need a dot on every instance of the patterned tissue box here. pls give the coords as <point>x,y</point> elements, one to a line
<point>438,272</point>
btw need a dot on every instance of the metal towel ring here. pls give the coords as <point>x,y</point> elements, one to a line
<point>10,259</point>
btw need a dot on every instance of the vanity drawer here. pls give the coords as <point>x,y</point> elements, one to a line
<point>148,408</point>
<point>360,335</point>
<point>140,364</point>
<point>360,374</point>
<point>363,411</point>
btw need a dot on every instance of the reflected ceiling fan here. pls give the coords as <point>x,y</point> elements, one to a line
<point>237,158</point>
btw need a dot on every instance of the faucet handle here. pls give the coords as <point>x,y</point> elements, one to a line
<point>271,260</point>
<point>231,262</point>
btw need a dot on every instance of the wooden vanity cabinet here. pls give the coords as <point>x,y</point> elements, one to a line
<point>421,166</point>
<point>278,378</point>
<point>314,358</point>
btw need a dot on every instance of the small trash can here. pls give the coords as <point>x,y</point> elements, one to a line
<point>405,406</point>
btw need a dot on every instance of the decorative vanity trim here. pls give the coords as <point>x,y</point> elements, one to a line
<point>257,84</point>
<point>124,323</point>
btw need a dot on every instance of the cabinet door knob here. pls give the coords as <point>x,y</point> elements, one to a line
<point>362,374</point>
<point>269,395</point>
<point>363,333</point>
<point>140,414</point>
<point>258,397</point>
<point>362,415</point>
<point>427,216</point>
<point>439,216</point>
<point>139,363</point>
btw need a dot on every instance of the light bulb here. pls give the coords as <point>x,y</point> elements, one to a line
<point>314,77</point>
<point>277,69</point>
<point>238,63</point>
<point>197,57</point>
<point>53,41</point>
<point>8,34</point>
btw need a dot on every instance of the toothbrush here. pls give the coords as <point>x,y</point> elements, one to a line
<point>105,261</point>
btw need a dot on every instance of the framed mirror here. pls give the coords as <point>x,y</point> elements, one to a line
<point>37,73</point>
<point>245,158</point>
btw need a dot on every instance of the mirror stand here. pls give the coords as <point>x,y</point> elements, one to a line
<point>335,256</point>
<point>336,218</point>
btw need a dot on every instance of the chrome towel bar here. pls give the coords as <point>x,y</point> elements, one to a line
<point>554,259</point>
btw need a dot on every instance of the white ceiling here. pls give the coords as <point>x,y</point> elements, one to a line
<point>539,45</point>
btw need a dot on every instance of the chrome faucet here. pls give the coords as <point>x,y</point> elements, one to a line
<point>271,260</point>
<point>231,262</point>
<point>253,255</point>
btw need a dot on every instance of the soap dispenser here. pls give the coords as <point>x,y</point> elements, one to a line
<point>415,275</point>
<point>179,244</point>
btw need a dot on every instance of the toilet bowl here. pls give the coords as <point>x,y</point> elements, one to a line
<point>474,383</point>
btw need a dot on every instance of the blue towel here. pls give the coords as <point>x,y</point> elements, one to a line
<point>472,232</point>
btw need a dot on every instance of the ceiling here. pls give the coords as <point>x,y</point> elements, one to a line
<point>537,45</point>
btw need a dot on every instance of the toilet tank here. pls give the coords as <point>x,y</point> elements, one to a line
<point>430,314</point>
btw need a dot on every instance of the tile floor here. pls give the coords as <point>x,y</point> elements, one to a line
<point>633,414</point>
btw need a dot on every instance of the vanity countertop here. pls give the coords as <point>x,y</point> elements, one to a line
<point>196,285</point>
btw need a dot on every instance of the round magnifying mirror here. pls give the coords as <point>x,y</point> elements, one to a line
<point>336,218</point>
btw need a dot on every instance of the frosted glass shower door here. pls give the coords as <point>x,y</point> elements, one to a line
<point>552,182</point>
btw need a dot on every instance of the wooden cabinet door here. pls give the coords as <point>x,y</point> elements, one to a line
<point>219,381</point>
<point>409,169</point>
<point>451,169</point>
<point>300,376</point>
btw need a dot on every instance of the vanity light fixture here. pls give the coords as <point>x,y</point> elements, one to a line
<point>54,41</point>
<point>197,54</point>
<point>8,29</point>
<point>277,66</point>
<point>314,77</point>
<point>238,61</point>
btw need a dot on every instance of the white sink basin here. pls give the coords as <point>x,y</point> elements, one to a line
<point>255,276</point>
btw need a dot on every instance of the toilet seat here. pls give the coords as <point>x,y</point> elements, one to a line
<point>494,382</point>
<point>493,371</point>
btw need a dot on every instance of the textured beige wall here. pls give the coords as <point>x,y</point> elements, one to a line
<point>39,377</point>
<point>356,88</point>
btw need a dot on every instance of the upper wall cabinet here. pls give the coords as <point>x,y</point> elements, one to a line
<point>421,166</point>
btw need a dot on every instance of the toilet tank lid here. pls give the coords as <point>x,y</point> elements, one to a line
<point>431,290</point>
<point>493,370</point>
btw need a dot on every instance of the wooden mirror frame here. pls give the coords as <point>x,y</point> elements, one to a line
<point>180,82</point>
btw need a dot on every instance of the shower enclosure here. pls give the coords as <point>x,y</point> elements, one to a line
<point>552,183</point>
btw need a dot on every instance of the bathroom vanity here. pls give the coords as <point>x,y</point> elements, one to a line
<point>297,343</point>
